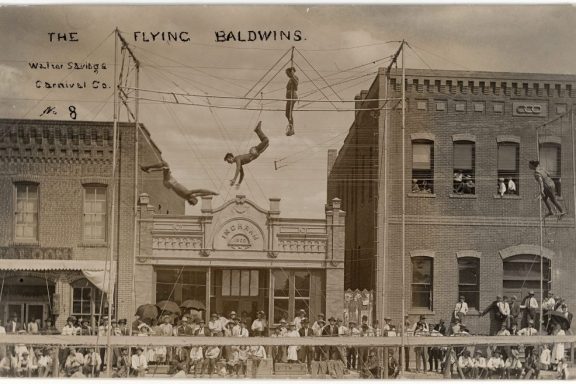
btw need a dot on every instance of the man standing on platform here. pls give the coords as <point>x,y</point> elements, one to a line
<point>530,307</point>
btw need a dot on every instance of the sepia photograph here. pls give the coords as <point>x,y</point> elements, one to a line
<point>287,191</point>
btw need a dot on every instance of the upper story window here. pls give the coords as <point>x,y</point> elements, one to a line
<point>550,159</point>
<point>26,212</point>
<point>464,167</point>
<point>94,221</point>
<point>508,168</point>
<point>422,166</point>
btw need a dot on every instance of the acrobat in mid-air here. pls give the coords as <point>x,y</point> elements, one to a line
<point>252,154</point>
<point>291,98</point>
<point>547,188</point>
<point>190,195</point>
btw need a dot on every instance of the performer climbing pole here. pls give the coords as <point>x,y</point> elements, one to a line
<point>253,154</point>
<point>547,188</point>
<point>190,195</point>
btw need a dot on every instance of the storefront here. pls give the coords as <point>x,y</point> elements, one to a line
<point>250,258</point>
<point>37,290</point>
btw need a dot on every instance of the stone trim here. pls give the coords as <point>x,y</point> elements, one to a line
<point>463,137</point>
<point>526,249</point>
<point>550,140</point>
<point>468,253</point>
<point>423,253</point>
<point>507,139</point>
<point>422,136</point>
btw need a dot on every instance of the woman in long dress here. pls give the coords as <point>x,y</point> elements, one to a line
<point>292,349</point>
<point>558,349</point>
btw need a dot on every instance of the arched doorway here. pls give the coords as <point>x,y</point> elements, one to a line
<point>28,296</point>
<point>522,273</point>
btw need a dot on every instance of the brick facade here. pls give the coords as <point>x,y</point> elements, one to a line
<point>61,157</point>
<point>445,107</point>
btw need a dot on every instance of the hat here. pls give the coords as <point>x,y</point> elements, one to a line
<point>339,320</point>
<point>122,321</point>
<point>531,292</point>
<point>422,317</point>
<point>302,311</point>
<point>261,313</point>
<point>25,353</point>
<point>332,319</point>
<point>534,163</point>
<point>462,297</point>
<point>305,320</point>
<point>214,315</point>
<point>530,321</point>
<point>321,321</point>
<point>321,314</point>
<point>184,318</point>
<point>478,353</point>
<point>113,321</point>
<point>70,318</point>
<point>282,320</point>
<point>291,324</point>
<point>514,297</point>
<point>501,179</point>
<point>232,313</point>
<point>386,318</point>
<point>201,321</point>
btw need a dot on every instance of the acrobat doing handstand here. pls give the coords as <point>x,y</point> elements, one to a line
<point>190,195</point>
<point>252,154</point>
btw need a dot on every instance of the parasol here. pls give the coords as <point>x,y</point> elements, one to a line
<point>562,318</point>
<point>147,311</point>
<point>194,304</point>
<point>168,306</point>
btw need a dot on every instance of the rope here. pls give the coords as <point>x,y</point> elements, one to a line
<point>318,73</point>
<point>321,91</point>
<point>207,96</point>
<point>154,101</point>
<point>267,72</point>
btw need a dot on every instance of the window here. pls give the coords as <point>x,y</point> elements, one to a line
<point>469,280</point>
<point>238,282</point>
<point>94,213</point>
<point>87,300</point>
<point>26,213</point>
<point>291,293</point>
<point>550,159</point>
<point>179,285</point>
<point>422,270</point>
<point>522,274</point>
<point>464,167</point>
<point>508,168</point>
<point>422,166</point>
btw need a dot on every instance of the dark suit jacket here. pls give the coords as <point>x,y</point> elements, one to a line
<point>310,332</point>
<point>330,331</point>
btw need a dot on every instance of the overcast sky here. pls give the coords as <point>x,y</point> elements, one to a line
<point>194,139</point>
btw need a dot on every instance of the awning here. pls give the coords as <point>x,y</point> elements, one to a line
<point>53,265</point>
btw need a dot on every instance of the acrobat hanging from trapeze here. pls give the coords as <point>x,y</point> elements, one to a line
<point>547,188</point>
<point>252,154</point>
<point>291,98</point>
<point>190,195</point>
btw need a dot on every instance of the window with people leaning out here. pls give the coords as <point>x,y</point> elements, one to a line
<point>423,166</point>
<point>464,168</point>
<point>508,168</point>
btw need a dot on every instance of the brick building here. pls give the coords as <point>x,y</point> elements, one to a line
<point>56,188</point>
<point>241,257</point>
<point>462,238</point>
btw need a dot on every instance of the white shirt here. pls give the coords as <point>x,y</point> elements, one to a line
<point>480,362</point>
<point>240,332</point>
<point>258,352</point>
<point>2,330</point>
<point>259,325</point>
<point>545,356</point>
<point>32,327</point>
<point>461,308</point>
<point>530,303</point>
<point>196,353</point>
<point>139,361</point>
<point>68,330</point>
<point>549,304</point>
<point>298,322</point>
<point>503,307</point>
<point>528,331</point>
<point>494,363</point>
